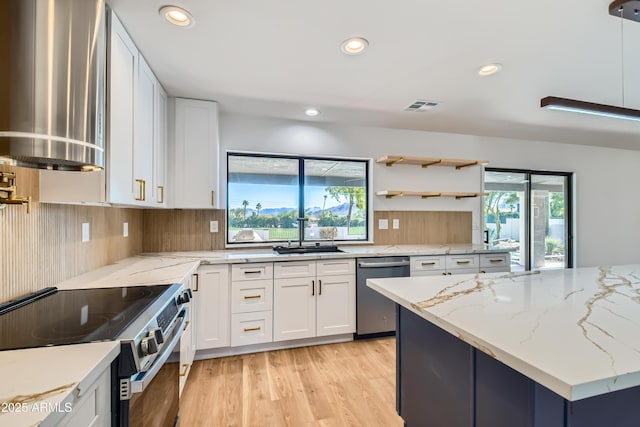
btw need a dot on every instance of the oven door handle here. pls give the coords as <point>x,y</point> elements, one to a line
<point>140,385</point>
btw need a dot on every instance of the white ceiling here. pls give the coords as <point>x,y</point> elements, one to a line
<point>276,57</point>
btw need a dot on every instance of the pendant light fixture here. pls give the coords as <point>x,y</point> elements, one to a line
<point>624,9</point>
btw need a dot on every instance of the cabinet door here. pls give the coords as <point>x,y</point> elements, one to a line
<point>294,308</point>
<point>195,155</point>
<point>145,135</point>
<point>336,305</point>
<point>159,189</point>
<point>212,307</point>
<point>123,77</point>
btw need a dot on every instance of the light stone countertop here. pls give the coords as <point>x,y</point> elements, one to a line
<point>237,256</point>
<point>39,384</point>
<point>136,271</point>
<point>575,331</point>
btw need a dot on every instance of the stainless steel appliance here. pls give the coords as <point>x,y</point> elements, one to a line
<point>52,83</point>
<point>147,320</point>
<point>375,314</point>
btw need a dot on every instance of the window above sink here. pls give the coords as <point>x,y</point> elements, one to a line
<point>267,194</point>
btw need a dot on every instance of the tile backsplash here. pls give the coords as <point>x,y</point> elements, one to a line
<point>45,247</point>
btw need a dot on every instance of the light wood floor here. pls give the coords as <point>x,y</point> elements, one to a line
<point>347,384</point>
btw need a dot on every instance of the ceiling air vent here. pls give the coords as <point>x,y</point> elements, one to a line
<point>421,105</point>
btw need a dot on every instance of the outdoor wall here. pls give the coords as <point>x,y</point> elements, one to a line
<point>607,213</point>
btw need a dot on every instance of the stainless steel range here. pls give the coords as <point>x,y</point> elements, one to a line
<point>147,320</point>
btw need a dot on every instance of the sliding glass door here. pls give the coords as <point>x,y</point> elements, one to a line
<point>529,212</point>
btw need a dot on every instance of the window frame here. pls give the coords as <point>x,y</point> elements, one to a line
<point>569,193</point>
<point>301,188</point>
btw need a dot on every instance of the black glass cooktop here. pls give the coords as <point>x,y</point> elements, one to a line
<point>75,316</point>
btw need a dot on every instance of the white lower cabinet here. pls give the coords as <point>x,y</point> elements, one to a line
<point>335,305</point>
<point>313,304</point>
<point>212,307</point>
<point>92,408</point>
<point>434,265</point>
<point>251,304</point>
<point>189,335</point>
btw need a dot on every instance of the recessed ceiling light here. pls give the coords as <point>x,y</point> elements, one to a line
<point>489,69</point>
<point>177,16</point>
<point>312,112</point>
<point>354,46</point>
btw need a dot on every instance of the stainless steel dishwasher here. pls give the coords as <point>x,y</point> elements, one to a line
<point>376,314</point>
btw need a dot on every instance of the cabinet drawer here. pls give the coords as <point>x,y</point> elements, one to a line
<point>335,267</point>
<point>427,263</point>
<point>256,295</point>
<point>286,270</point>
<point>495,260</point>
<point>251,328</point>
<point>454,262</point>
<point>251,271</point>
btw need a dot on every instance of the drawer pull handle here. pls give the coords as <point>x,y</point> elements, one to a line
<point>252,329</point>
<point>429,263</point>
<point>253,272</point>
<point>463,262</point>
<point>313,287</point>
<point>140,189</point>
<point>252,296</point>
<point>186,325</point>
<point>161,191</point>
<point>185,366</point>
<point>496,260</point>
<point>319,287</point>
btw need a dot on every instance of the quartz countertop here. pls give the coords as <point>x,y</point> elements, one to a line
<point>237,256</point>
<point>136,271</point>
<point>575,331</point>
<point>39,384</point>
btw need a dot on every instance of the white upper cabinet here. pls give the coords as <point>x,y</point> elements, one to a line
<point>159,190</point>
<point>195,154</point>
<point>136,139</point>
<point>123,77</point>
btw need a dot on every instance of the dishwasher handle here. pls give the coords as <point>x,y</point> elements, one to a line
<point>364,264</point>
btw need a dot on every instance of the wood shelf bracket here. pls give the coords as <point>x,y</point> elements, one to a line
<point>426,165</point>
<point>394,161</point>
<point>458,167</point>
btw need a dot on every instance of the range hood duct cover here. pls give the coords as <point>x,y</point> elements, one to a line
<point>52,83</point>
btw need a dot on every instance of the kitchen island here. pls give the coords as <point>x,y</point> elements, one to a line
<point>552,348</point>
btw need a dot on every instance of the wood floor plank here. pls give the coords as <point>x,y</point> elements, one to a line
<point>336,385</point>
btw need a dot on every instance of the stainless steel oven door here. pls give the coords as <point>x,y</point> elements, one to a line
<point>155,397</point>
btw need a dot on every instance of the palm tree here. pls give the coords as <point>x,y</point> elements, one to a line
<point>245,203</point>
<point>258,207</point>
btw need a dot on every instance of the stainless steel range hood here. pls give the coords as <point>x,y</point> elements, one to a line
<point>52,83</point>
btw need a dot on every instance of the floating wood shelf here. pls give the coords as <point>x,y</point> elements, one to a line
<point>429,161</point>
<point>426,194</point>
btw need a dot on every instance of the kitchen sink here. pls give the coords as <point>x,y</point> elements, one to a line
<point>306,249</point>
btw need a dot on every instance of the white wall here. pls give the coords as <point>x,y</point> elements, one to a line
<point>607,206</point>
